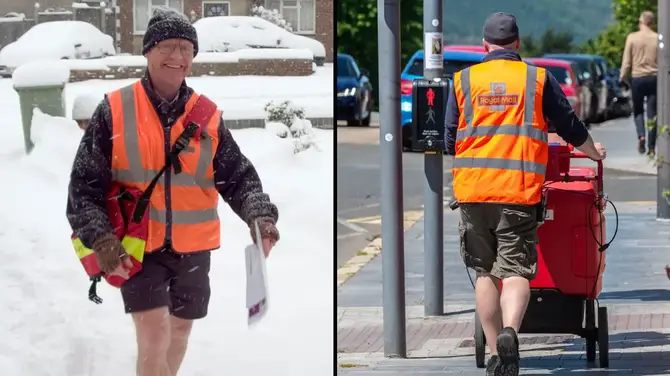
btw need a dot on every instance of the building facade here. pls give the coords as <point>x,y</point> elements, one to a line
<point>311,18</point>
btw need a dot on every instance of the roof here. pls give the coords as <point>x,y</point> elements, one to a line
<point>455,55</point>
<point>346,56</point>
<point>463,47</point>
<point>549,62</point>
<point>574,56</point>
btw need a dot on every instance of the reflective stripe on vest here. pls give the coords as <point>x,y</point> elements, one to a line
<point>136,173</point>
<point>193,194</point>
<point>482,149</point>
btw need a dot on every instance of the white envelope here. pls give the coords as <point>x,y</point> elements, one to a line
<point>257,280</point>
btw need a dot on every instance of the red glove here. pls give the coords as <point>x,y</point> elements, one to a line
<point>667,270</point>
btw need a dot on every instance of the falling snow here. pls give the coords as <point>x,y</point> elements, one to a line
<point>50,328</point>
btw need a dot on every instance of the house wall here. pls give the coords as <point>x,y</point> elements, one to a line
<point>324,26</point>
<point>131,43</point>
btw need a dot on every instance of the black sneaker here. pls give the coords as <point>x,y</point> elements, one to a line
<point>492,365</point>
<point>507,345</point>
<point>640,146</point>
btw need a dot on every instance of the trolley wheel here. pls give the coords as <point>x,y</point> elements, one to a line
<point>591,348</point>
<point>603,338</point>
<point>591,331</point>
<point>480,343</point>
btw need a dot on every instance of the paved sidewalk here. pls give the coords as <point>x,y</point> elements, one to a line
<point>619,138</point>
<point>635,292</point>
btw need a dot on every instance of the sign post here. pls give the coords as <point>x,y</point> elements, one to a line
<point>433,167</point>
<point>663,117</point>
<point>393,253</point>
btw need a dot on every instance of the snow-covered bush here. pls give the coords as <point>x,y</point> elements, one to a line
<point>271,15</point>
<point>286,120</point>
<point>283,112</point>
<point>280,129</point>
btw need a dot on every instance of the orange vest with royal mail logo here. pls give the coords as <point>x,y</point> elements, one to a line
<point>138,153</point>
<point>501,141</point>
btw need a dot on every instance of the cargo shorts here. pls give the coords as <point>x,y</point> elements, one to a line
<point>499,239</point>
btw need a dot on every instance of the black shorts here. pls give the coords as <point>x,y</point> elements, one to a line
<point>168,279</point>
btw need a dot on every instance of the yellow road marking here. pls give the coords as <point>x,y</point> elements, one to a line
<point>374,248</point>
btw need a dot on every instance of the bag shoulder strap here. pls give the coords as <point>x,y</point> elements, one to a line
<point>202,111</point>
<point>199,116</point>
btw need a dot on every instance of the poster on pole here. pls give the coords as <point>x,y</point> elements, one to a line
<point>432,47</point>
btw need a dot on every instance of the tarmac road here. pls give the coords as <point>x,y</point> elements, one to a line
<point>358,186</point>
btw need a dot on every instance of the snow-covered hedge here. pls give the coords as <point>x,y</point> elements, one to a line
<point>271,15</point>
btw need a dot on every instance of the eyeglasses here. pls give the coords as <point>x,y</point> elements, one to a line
<point>167,49</point>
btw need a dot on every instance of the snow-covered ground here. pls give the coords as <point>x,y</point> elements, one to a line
<point>49,328</point>
<point>240,97</point>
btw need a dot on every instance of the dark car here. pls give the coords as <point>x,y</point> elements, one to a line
<point>454,60</point>
<point>565,73</point>
<point>592,74</point>
<point>354,92</point>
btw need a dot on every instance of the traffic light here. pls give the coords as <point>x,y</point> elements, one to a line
<point>429,99</point>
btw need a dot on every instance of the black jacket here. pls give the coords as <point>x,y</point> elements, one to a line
<point>235,177</point>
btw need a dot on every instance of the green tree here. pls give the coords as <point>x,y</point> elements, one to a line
<point>529,47</point>
<point>627,12</point>
<point>610,42</point>
<point>357,32</point>
<point>551,41</point>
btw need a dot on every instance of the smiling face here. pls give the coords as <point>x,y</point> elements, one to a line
<point>170,61</point>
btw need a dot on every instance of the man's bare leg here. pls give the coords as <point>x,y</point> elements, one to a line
<point>180,330</point>
<point>514,301</point>
<point>152,328</point>
<point>487,298</point>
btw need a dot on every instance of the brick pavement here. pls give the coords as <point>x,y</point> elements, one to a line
<point>635,292</point>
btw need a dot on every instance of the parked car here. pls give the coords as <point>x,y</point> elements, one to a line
<point>592,75</point>
<point>578,94</point>
<point>232,33</point>
<point>354,92</point>
<point>462,47</point>
<point>57,40</point>
<point>454,61</point>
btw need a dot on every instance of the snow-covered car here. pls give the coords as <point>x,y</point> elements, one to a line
<point>57,40</point>
<point>232,33</point>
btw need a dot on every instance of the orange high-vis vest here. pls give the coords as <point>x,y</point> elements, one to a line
<point>138,153</point>
<point>501,142</point>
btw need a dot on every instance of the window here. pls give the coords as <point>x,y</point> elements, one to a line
<point>344,68</point>
<point>145,8</point>
<point>450,67</point>
<point>561,75</point>
<point>215,8</point>
<point>301,14</point>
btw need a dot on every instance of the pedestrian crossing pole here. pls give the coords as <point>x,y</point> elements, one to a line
<point>390,142</point>
<point>663,120</point>
<point>433,276</point>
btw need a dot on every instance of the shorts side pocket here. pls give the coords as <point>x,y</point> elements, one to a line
<point>465,256</point>
<point>530,247</point>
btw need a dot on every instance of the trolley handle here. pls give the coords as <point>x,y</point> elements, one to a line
<point>599,174</point>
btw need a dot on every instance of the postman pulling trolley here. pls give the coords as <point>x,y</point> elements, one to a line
<point>571,258</point>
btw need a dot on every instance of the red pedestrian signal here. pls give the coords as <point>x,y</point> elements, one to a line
<point>430,95</point>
